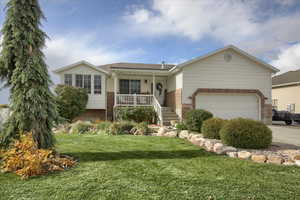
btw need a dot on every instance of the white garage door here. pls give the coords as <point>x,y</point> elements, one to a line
<point>228,106</point>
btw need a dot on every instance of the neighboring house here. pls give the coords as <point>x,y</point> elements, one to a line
<point>228,82</point>
<point>286,91</point>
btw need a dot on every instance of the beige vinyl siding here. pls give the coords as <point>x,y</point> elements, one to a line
<point>95,101</point>
<point>215,72</point>
<point>287,95</point>
<point>174,82</point>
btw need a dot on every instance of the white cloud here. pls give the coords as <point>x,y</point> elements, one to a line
<point>286,2</point>
<point>64,50</point>
<point>193,19</point>
<point>237,22</point>
<point>288,58</point>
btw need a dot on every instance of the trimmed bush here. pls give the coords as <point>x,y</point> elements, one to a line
<point>180,126</point>
<point>81,128</point>
<point>71,101</point>
<point>246,133</point>
<point>136,114</point>
<point>121,128</point>
<point>211,128</point>
<point>103,126</point>
<point>195,118</point>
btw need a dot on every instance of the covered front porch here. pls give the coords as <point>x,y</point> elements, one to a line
<point>141,88</point>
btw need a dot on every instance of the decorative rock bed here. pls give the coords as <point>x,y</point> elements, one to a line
<point>272,155</point>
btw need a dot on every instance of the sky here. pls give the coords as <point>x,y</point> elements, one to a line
<point>152,31</point>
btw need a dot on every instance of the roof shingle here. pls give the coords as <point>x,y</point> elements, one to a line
<point>288,77</point>
<point>141,66</point>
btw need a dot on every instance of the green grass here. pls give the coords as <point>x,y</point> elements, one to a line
<point>136,167</point>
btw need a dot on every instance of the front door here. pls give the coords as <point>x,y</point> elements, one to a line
<point>160,90</point>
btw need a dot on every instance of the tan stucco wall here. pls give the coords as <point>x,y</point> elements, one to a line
<point>287,95</point>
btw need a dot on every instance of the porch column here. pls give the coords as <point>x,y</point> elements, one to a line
<point>153,85</point>
<point>115,87</point>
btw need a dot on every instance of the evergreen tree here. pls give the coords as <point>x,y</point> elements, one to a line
<point>23,67</point>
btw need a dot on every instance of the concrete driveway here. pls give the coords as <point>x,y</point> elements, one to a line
<point>286,135</point>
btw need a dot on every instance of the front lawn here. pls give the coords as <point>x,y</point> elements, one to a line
<point>141,167</point>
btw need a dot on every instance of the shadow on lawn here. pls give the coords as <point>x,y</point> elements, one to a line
<point>122,155</point>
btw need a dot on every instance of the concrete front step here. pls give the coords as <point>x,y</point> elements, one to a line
<point>168,115</point>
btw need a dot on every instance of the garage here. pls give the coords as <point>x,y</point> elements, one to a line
<point>228,106</point>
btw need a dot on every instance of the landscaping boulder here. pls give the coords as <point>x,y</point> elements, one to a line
<point>218,148</point>
<point>244,155</point>
<point>232,154</point>
<point>171,134</point>
<point>209,144</point>
<point>195,139</point>
<point>289,163</point>
<point>275,159</point>
<point>184,134</point>
<point>259,158</point>
<point>173,122</point>
<point>161,131</point>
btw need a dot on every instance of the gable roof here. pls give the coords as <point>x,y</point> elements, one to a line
<point>287,78</point>
<point>231,47</point>
<point>80,63</point>
<point>139,66</point>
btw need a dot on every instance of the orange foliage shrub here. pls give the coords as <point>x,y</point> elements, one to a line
<point>26,160</point>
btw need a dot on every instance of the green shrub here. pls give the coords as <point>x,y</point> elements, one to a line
<point>120,128</point>
<point>81,128</point>
<point>195,118</point>
<point>103,126</point>
<point>181,126</point>
<point>140,129</point>
<point>71,101</point>
<point>136,114</point>
<point>211,128</point>
<point>246,133</point>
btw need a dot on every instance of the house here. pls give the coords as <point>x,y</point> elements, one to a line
<point>286,91</point>
<point>228,82</point>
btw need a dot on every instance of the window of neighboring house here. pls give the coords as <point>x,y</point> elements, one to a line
<point>68,79</point>
<point>79,80</point>
<point>130,86</point>
<point>275,104</point>
<point>97,84</point>
<point>291,108</point>
<point>87,83</point>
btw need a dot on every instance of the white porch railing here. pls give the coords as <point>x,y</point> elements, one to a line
<point>158,110</point>
<point>133,100</point>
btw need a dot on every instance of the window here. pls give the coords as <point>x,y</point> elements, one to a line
<point>79,80</point>
<point>291,108</point>
<point>68,79</point>
<point>275,104</point>
<point>87,83</point>
<point>97,84</point>
<point>130,86</point>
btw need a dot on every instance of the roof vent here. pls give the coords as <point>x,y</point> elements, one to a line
<point>163,64</point>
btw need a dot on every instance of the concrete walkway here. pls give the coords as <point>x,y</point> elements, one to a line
<point>287,135</point>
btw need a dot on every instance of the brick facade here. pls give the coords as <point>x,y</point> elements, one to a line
<point>110,99</point>
<point>92,114</point>
<point>174,101</point>
<point>266,109</point>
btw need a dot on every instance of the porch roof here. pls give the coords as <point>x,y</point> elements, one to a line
<point>137,66</point>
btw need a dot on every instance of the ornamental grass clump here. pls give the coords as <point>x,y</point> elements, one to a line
<point>25,159</point>
<point>246,133</point>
